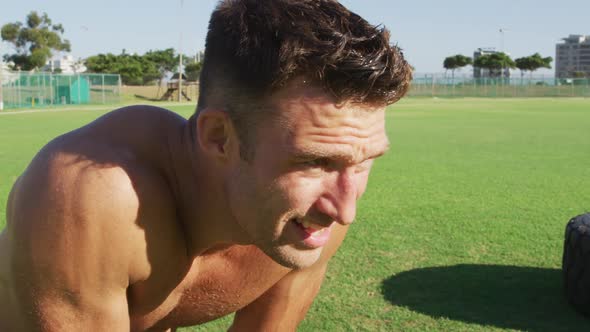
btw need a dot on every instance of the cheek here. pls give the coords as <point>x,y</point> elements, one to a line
<point>301,192</point>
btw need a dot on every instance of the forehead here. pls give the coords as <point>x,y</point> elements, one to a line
<point>311,123</point>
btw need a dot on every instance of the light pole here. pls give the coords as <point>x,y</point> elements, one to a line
<point>502,39</point>
<point>1,72</point>
<point>180,57</point>
<point>502,31</point>
<point>1,92</point>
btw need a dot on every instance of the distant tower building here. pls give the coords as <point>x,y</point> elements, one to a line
<point>572,58</point>
<point>483,72</point>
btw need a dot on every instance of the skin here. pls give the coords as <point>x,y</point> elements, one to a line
<point>142,220</point>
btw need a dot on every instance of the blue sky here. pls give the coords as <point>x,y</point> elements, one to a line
<point>426,30</point>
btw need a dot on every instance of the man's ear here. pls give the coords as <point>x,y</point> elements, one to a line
<point>215,134</point>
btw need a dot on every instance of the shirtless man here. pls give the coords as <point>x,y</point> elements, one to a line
<point>142,220</point>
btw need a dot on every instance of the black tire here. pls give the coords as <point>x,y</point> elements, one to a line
<point>576,263</point>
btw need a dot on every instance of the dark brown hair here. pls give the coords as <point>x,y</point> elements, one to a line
<point>255,47</point>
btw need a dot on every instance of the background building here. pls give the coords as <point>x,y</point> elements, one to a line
<point>65,65</point>
<point>572,57</point>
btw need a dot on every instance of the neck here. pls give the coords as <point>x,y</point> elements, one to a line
<point>198,187</point>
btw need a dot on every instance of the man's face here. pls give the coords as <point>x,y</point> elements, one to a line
<point>310,166</point>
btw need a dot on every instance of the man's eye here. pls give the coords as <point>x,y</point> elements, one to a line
<point>320,163</point>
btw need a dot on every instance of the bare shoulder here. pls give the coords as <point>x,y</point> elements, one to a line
<point>100,190</point>
<point>100,171</point>
<point>96,197</point>
<point>74,232</point>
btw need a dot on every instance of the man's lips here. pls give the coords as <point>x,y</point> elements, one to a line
<point>311,228</point>
<point>313,235</point>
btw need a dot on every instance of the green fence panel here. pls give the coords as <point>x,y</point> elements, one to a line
<point>30,90</point>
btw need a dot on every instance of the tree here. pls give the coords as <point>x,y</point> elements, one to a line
<point>532,63</point>
<point>193,70</point>
<point>495,63</point>
<point>523,64</point>
<point>102,63</point>
<point>123,65</point>
<point>164,60</point>
<point>456,62</point>
<point>578,74</point>
<point>134,69</point>
<point>34,41</point>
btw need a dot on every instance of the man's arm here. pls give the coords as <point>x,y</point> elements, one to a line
<point>284,305</point>
<point>68,271</point>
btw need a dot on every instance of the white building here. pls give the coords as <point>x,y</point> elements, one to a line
<point>572,57</point>
<point>65,64</point>
<point>4,68</point>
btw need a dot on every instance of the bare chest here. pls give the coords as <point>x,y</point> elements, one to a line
<point>215,285</point>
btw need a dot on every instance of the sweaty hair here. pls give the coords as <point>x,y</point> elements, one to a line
<point>255,47</point>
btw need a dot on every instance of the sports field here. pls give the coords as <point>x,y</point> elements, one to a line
<point>461,228</point>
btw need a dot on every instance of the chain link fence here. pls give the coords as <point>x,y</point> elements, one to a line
<point>30,90</point>
<point>433,85</point>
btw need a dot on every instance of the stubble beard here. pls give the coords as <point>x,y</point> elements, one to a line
<point>275,244</point>
<point>284,252</point>
<point>270,236</point>
<point>293,258</point>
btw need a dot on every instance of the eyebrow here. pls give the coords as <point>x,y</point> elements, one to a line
<point>332,154</point>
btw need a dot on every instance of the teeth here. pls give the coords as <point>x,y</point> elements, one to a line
<point>306,224</point>
<point>316,227</point>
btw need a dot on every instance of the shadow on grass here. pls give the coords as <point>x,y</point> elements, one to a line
<point>512,297</point>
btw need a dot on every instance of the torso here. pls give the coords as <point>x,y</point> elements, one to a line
<point>191,290</point>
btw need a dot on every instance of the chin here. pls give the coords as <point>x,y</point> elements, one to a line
<point>294,258</point>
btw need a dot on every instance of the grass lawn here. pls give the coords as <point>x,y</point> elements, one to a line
<point>461,228</point>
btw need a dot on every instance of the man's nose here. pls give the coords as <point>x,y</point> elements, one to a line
<point>339,198</point>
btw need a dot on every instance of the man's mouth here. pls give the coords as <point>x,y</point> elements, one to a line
<point>311,228</point>
<point>312,235</point>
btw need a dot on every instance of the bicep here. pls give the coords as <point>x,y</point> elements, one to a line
<point>59,309</point>
<point>59,265</point>
<point>64,294</point>
<point>58,288</point>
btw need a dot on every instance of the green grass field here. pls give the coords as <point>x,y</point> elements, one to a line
<point>461,228</point>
